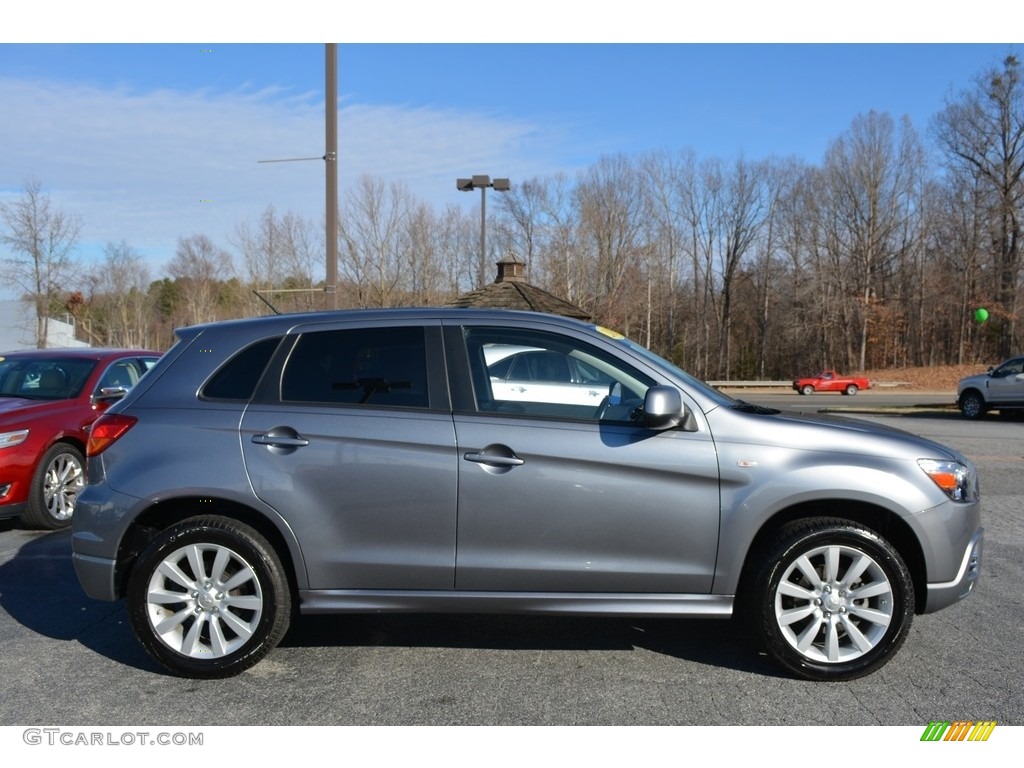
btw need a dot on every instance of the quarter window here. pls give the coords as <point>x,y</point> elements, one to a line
<point>237,379</point>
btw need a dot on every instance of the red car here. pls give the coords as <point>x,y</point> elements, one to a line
<point>48,400</point>
<point>830,381</point>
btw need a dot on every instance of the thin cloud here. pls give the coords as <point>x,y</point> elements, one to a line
<point>151,166</point>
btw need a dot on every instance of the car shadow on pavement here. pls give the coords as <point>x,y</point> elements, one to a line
<point>40,591</point>
<point>713,643</point>
<point>61,611</point>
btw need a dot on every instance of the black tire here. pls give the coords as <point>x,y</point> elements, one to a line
<point>851,390</point>
<point>810,616</point>
<point>807,389</point>
<point>189,622</point>
<point>58,479</point>
<point>972,405</point>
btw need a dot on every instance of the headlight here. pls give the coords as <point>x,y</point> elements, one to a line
<point>8,439</point>
<point>957,480</point>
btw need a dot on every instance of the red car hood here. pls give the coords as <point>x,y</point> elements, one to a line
<point>9,406</point>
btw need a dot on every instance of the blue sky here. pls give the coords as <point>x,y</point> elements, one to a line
<point>151,141</point>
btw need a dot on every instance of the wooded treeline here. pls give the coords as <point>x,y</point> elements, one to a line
<point>876,257</point>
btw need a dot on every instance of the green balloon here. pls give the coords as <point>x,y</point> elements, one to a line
<point>981,314</point>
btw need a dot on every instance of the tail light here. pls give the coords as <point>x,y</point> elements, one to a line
<point>106,430</point>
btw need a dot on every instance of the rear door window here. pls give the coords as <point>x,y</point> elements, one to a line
<point>373,367</point>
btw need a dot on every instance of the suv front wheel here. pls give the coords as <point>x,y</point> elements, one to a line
<point>972,405</point>
<point>58,480</point>
<point>209,598</point>
<point>835,599</point>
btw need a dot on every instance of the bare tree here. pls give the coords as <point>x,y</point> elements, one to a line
<point>260,249</point>
<point>120,303</point>
<point>281,256</point>
<point>663,175</point>
<point>610,220</point>
<point>524,207</point>
<point>698,188</point>
<point>41,242</point>
<point>779,178</point>
<point>982,134</point>
<point>456,235</point>
<point>871,173</point>
<point>957,246</point>
<point>202,269</point>
<point>428,266</point>
<point>303,260</point>
<point>374,241</point>
<point>742,213</point>
<point>556,263</point>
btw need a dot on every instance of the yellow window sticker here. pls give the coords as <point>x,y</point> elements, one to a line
<point>609,332</point>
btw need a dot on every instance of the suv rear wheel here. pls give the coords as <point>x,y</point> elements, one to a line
<point>209,598</point>
<point>835,599</point>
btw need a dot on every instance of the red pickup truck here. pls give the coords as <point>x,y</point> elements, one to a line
<point>830,381</point>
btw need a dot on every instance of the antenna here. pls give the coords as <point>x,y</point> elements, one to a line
<point>293,159</point>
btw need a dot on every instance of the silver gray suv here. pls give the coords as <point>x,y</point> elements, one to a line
<point>365,461</point>
<point>999,389</point>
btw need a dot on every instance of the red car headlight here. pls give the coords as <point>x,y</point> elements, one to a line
<point>10,439</point>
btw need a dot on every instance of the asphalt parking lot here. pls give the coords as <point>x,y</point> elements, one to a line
<point>71,661</point>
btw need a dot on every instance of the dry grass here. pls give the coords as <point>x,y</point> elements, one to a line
<point>938,378</point>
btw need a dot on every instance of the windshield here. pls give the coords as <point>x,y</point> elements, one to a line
<point>43,379</point>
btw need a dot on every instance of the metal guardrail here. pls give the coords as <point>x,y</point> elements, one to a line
<point>751,384</point>
<point>789,384</point>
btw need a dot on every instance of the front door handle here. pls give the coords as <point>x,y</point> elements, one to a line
<point>496,461</point>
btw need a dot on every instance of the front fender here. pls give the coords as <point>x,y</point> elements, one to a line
<point>758,489</point>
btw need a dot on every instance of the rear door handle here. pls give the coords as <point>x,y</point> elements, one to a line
<point>280,442</point>
<point>281,437</point>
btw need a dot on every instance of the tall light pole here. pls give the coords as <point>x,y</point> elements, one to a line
<point>482,182</point>
<point>331,161</point>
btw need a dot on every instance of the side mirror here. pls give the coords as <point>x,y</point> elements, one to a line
<point>109,394</point>
<point>663,408</point>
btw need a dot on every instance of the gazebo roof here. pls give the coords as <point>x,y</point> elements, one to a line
<point>511,291</point>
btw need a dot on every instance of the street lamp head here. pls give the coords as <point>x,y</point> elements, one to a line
<point>482,182</point>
